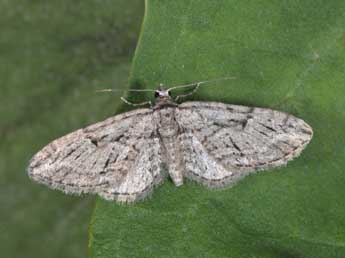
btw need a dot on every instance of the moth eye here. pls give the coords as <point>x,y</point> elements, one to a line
<point>156,94</point>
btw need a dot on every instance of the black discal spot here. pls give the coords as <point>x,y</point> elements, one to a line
<point>244,123</point>
<point>94,142</point>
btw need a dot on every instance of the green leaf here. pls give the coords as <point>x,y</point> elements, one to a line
<point>286,55</point>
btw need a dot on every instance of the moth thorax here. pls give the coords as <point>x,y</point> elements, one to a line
<point>168,126</point>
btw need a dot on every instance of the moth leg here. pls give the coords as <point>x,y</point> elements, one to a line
<point>136,104</point>
<point>197,85</point>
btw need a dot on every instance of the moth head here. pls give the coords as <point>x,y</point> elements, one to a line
<point>162,93</point>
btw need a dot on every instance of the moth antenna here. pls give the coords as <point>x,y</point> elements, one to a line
<point>200,82</point>
<point>116,90</point>
<point>106,90</point>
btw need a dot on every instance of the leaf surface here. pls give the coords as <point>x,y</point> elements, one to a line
<point>286,55</point>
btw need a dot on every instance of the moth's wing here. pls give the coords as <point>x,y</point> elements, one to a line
<point>119,159</point>
<point>223,143</point>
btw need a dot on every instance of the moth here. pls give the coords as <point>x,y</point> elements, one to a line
<point>124,157</point>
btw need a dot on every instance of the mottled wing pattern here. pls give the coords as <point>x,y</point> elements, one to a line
<point>223,143</point>
<point>119,159</point>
